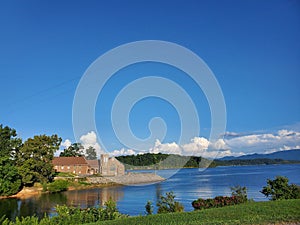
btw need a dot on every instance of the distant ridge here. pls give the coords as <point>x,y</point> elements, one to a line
<point>285,155</point>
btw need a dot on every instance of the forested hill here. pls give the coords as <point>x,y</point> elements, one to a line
<point>166,161</point>
<point>163,161</point>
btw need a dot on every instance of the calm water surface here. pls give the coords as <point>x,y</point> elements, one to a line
<point>187,185</point>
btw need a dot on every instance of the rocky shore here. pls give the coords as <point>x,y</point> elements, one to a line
<point>127,179</point>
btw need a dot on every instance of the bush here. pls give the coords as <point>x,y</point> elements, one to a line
<point>168,204</point>
<point>280,189</point>
<point>71,215</point>
<point>149,208</point>
<point>58,186</point>
<point>219,201</point>
<point>240,192</point>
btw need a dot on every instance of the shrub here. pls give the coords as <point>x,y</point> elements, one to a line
<point>280,189</point>
<point>168,204</point>
<point>240,192</point>
<point>219,201</point>
<point>238,196</point>
<point>58,186</point>
<point>149,208</point>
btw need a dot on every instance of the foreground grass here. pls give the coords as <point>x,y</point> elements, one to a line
<point>272,212</point>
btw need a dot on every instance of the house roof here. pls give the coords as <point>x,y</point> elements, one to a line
<point>93,163</point>
<point>65,161</point>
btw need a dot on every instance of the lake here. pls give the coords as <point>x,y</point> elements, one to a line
<point>187,185</point>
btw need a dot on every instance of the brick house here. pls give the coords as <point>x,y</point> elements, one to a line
<point>79,165</point>
<point>76,165</point>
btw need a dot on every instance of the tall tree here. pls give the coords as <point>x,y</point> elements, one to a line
<point>34,159</point>
<point>10,180</point>
<point>91,153</point>
<point>74,150</point>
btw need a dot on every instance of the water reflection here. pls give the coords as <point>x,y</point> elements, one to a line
<point>93,197</point>
<point>45,204</point>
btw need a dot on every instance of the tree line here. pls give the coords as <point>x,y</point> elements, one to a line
<point>25,163</point>
<point>168,161</point>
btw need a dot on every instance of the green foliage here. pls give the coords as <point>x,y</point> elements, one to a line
<point>72,216</point>
<point>74,150</point>
<point>167,204</point>
<point>10,180</point>
<point>58,186</point>
<point>91,153</point>
<point>241,192</point>
<point>219,201</point>
<point>154,161</point>
<point>164,161</point>
<point>280,189</point>
<point>149,208</point>
<point>34,159</point>
<point>64,174</point>
<point>9,143</point>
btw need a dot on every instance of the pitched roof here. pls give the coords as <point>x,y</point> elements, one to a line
<point>65,161</point>
<point>93,163</point>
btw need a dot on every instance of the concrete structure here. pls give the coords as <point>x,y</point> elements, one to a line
<point>105,166</point>
<point>111,166</point>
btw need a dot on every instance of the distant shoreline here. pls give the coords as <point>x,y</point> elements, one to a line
<point>226,165</point>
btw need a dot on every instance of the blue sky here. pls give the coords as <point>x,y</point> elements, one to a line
<point>252,47</point>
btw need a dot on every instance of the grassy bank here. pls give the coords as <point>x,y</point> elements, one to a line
<point>272,212</point>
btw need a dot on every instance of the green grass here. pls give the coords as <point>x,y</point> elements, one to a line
<point>249,213</point>
<point>64,174</point>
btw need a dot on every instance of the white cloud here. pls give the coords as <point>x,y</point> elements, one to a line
<point>66,143</point>
<point>289,147</point>
<point>166,148</point>
<point>123,151</point>
<point>266,142</point>
<point>234,144</point>
<point>90,139</point>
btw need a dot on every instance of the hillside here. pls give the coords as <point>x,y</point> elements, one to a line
<point>163,161</point>
<point>166,161</point>
<point>285,155</point>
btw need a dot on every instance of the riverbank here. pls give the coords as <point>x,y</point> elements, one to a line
<point>93,182</point>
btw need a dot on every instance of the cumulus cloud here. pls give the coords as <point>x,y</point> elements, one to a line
<point>90,139</point>
<point>265,142</point>
<point>66,143</point>
<point>166,148</point>
<point>123,151</point>
<point>233,144</point>
<point>198,146</point>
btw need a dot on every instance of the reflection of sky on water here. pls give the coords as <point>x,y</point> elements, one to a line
<point>187,185</point>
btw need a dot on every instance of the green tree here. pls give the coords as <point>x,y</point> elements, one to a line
<point>240,192</point>
<point>74,150</point>
<point>10,180</point>
<point>34,159</point>
<point>149,208</point>
<point>280,189</point>
<point>168,204</point>
<point>91,153</point>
